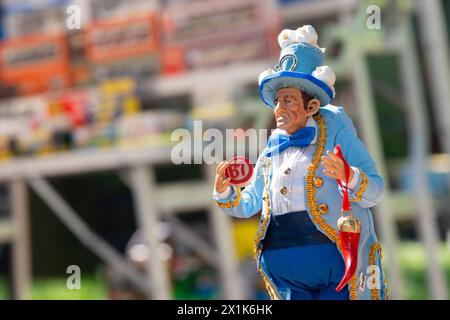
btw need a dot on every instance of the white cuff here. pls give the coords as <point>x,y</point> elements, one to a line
<point>222,195</point>
<point>354,182</point>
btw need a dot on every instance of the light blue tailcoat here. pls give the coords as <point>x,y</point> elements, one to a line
<point>323,199</point>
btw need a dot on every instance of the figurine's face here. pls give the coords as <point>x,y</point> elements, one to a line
<point>290,112</point>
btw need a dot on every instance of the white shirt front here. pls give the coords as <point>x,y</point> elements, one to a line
<point>289,168</point>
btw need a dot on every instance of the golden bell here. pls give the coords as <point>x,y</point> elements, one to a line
<point>349,224</point>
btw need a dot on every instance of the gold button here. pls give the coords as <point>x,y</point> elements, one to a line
<point>287,171</point>
<point>283,190</point>
<point>318,182</point>
<point>323,208</point>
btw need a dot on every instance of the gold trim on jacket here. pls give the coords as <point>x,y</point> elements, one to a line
<point>362,187</point>
<point>270,289</point>
<point>312,199</point>
<point>374,248</point>
<point>232,203</point>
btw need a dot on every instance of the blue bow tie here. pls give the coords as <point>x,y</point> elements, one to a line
<point>300,138</point>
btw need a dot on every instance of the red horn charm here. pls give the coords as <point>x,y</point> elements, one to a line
<point>349,231</point>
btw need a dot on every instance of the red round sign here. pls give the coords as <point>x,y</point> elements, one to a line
<point>240,170</point>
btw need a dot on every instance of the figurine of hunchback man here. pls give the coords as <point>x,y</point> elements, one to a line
<point>298,247</point>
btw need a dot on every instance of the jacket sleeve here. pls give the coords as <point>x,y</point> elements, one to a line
<point>245,203</point>
<point>370,186</point>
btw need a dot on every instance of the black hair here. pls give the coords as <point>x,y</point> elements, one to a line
<point>306,97</point>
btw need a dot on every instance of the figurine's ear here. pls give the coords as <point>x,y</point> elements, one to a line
<point>313,106</point>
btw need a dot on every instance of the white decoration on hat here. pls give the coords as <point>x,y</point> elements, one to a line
<point>265,74</point>
<point>325,74</point>
<point>286,38</point>
<point>306,34</point>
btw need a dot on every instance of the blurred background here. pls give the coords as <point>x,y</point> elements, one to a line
<point>91,92</point>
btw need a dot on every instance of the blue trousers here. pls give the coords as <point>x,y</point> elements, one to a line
<point>310,272</point>
<point>300,262</point>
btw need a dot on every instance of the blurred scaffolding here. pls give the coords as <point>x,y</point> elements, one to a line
<point>107,96</point>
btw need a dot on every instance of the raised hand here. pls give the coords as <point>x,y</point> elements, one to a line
<point>221,180</point>
<point>334,166</point>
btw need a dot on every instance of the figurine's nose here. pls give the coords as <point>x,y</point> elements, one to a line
<point>278,106</point>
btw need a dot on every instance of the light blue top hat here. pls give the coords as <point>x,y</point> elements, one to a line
<point>300,66</point>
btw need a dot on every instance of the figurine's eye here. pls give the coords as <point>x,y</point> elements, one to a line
<point>289,100</point>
